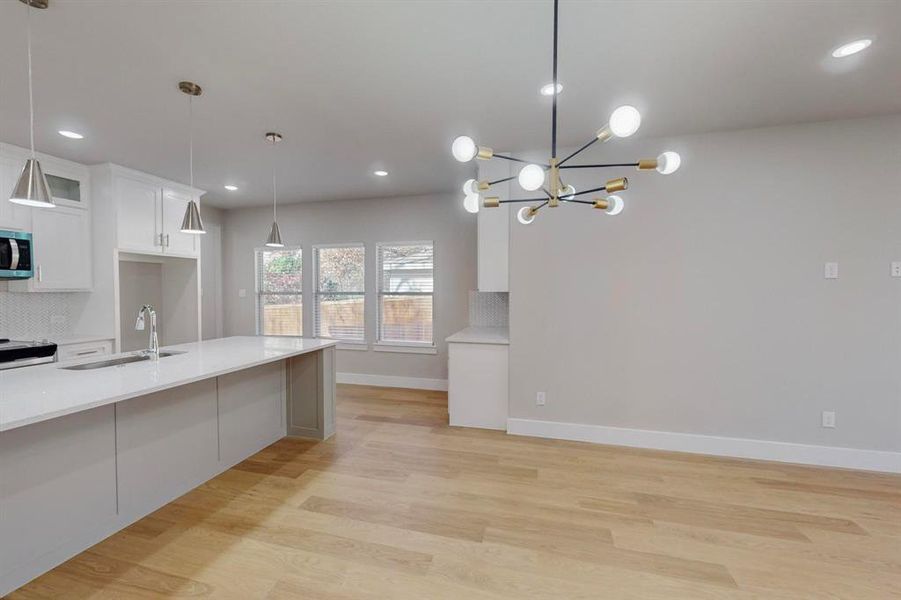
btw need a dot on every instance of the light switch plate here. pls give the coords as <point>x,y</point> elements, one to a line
<point>828,419</point>
<point>242,293</point>
<point>540,399</point>
<point>831,270</point>
<point>896,269</point>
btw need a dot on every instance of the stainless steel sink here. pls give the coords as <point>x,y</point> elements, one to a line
<point>119,361</point>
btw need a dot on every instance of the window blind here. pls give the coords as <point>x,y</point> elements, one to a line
<point>339,307</point>
<point>406,293</point>
<point>279,285</point>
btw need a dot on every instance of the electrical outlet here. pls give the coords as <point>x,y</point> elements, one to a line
<point>896,269</point>
<point>831,270</point>
<point>829,419</point>
<point>540,399</point>
<point>242,293</point>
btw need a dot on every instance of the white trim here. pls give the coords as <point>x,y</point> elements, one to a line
<point>826,456</point>
<point>414,383</point>
<point>404,348</point>
<point>350,345</point>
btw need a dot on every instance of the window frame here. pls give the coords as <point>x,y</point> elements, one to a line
<point>381,345</point>
<point>257,280</point>
<point>344,344</point>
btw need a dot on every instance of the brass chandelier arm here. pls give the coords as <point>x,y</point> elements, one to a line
<point>519,201</point>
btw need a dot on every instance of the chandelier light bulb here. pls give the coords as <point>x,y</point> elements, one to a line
<point>471,187</point>
<point>548,89</point>
<point>568,193</point>
<point>616,205</point>
<point>668,162</point>
<point>471,203</point>
<point>531,177</point>
<point>464,149</point>
<point>525,215</point>
<point>624,121</point>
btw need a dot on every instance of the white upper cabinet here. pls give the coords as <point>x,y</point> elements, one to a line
<point>62,249</point>
<point>138,214</point>
<point>174,204</point>
<point>494,231</point>
<point>148,211</point>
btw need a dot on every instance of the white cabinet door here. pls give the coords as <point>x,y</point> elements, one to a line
<point>174,204</point>
<point>12,216</point>
<point>62,249</point>
<point>139,209</point>
<point>477,393</point>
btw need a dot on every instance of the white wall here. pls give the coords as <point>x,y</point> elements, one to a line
<point>211,272</point>
<point>439,217</point>
<point>140,283</point>
<point>703,308</point>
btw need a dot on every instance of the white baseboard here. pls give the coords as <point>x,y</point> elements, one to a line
<point>826,456</point>
<point>414,383</point>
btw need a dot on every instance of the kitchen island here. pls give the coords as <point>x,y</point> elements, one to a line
<point>85,453</point>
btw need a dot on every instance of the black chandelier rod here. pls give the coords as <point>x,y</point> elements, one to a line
<point>603,188</point>
<point>496,181</point>
<point>519,160</point>
<point>554,103</point>
<point>633,164</point>
<point>593,140</point>
<point>578,201</point>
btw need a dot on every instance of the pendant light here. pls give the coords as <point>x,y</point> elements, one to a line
<point>31,189</point>
<point>275,236</point>
<point>192,222</point>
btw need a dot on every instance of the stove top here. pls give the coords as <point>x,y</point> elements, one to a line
<point>13,351</point>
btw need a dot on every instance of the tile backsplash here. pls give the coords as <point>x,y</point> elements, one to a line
<point>489,309</point>
<point>35,316</point>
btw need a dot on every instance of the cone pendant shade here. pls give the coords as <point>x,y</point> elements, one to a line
<point>275,237</point>
<point>192,223</point>
<point>32,188</point>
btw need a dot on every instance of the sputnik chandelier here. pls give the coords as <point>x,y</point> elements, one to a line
<point>624,121</point>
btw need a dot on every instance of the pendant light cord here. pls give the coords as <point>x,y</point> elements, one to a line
<point>191,138</point>
<point>274,189</point>
<point>554,102</point>
<point>30,86</point>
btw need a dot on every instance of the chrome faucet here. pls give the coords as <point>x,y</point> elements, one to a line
<point>153,351</point>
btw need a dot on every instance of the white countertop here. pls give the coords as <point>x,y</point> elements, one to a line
<point>481,335</point>
<point>34,394</point>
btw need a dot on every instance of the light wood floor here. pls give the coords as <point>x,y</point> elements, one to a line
<point>398,505</point>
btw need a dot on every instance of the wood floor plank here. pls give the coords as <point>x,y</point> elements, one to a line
<point>399,505</point>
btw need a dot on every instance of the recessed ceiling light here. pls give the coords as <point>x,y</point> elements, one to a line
<point>71,135</point>
<point>232,188</point>
<point>548,90</point>
<point>380,173</point>
<point>851,48</point>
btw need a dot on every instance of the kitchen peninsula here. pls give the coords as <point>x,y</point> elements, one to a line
<point>84,453</point>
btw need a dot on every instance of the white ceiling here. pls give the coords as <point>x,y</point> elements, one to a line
<point>360,85</point>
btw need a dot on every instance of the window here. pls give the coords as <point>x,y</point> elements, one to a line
<point>338,312</point>
<point>279,286</point>
<point>405,293</point>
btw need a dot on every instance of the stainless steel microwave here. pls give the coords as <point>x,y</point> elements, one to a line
<point>16,255</point>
